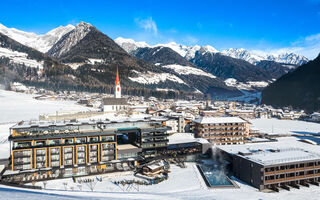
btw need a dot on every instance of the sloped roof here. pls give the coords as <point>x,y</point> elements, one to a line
<point>115,101</point>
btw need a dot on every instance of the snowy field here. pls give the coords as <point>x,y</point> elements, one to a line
<point>183,184</point>
<point>276,126</point>
<point>15,107</point>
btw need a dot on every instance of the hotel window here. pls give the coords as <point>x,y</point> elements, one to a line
<point>54,142</point>
<point>25,167</point>
<point>67,141</point>
<point>21,144</point>
<point>40,151</point>
<point>81,154</point>
<point>93,147</point>
<point>107,138</point>
<point>81,161</point>
<point>55,164</point>
<point>108,146</point>
<point>81,140</point>
<point>68,150</point>
<point>68,162</point>
<point>81,148</point>
<point>39,143</point>
<point>55,157</point>
<point>55,150</point>
<point>93,139</point>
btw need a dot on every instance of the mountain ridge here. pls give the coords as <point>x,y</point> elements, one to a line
<point>40,42</point>
<point>299,88</point>
<point>189,52</point>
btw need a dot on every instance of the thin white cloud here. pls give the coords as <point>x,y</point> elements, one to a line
<point>147,24</point>
<point>315,37</point>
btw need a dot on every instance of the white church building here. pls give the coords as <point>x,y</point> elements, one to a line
<point>117,103</point>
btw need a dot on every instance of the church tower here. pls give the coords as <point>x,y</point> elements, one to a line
<point>117,88</point>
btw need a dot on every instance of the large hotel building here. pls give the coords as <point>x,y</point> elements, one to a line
<point>266,167</point>
<point>53,150</point>
<point>222,130</point>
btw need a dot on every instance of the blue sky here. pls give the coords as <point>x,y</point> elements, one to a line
<point>271,26</point>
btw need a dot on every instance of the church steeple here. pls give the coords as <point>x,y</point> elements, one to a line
<point>117,82</point>
<point>117,89</point>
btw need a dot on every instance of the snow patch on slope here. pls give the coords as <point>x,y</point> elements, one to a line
<point>90,61</point>
<point>186,70</point>
<point>20,58</point>
<point>250,85</point>
<point>154,78</point>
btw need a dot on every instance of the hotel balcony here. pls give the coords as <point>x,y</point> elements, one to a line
<point>291,170</point>
<point>293,178</point>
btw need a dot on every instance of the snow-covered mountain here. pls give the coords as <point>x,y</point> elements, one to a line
<point>288,58</point>
<point>189,52</point>
<point>243,55</point>
<point>72,38</point>
<point>284,58</point>
<point>40,42</point>
<point>130,45</point>
<point>207,49</point>
<point>250,71</point>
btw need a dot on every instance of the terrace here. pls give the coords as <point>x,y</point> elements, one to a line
<point>24,129</point>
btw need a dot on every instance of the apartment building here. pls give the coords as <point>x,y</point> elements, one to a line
<point>222,130</point>
<point>43,150</point>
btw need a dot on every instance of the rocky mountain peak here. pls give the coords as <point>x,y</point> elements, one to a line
<point>71,39</point>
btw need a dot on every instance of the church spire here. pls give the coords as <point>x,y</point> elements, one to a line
<point>117,87</point>
<point>117,82</point>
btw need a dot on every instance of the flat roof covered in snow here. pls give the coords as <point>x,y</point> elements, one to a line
<point>279,156</point>
<point>218,120</point>
<point>43,124</point>
<point>274,153</point>
<point>179,138</point>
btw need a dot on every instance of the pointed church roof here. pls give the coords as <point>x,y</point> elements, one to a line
<point>117,82</point>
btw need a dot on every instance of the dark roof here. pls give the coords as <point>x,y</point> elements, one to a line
<point>115,101</point>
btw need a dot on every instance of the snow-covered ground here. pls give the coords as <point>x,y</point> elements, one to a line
<point>276,126</point>
<point>20,58</point>
<point>182,184</point>
<point>15,107</point>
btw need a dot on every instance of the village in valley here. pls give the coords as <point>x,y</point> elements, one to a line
<point>117,145</point>
<point>160,100</point>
